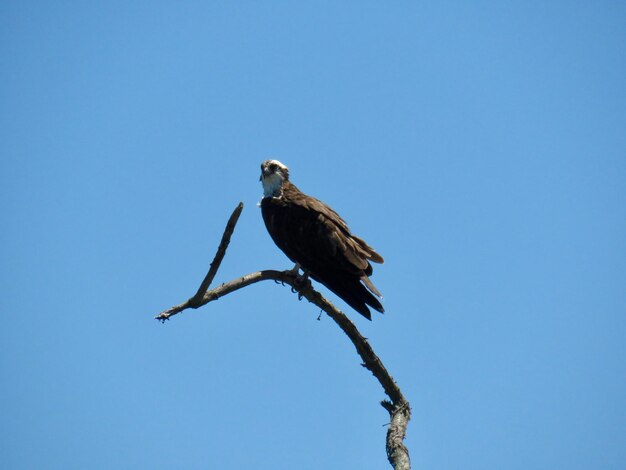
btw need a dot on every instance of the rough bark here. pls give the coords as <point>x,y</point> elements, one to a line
<point>397,406</point>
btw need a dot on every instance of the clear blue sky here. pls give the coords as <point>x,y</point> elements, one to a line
<point>480,147</point>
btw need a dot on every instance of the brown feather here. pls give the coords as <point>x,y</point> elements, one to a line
<point>315,236</point>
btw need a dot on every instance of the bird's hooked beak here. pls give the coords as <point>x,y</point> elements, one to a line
<point>265,171</point>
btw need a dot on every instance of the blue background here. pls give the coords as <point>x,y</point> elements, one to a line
<point>479,147</point>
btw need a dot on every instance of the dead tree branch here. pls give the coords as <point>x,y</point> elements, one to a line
<point>397,406</point>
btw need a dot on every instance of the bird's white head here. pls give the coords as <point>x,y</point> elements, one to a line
<point>273,175</point>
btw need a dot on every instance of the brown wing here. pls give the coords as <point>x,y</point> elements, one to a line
<point>355,248</point>
<point>313,235</point>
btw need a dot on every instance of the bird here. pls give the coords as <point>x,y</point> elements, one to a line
<point>318,240</point>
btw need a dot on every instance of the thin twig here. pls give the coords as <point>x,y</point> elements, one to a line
<point>397,406</point>
<point>219,256</point>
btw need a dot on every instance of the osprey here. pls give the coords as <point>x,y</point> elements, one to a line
<point>314,237</point>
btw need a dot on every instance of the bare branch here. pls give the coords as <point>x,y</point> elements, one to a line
<point>226,288</point>
<point>219,256</point>
<point>397,452</point>
<point>397,406</point>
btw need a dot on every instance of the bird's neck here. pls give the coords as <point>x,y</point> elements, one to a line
<point>273,186</point>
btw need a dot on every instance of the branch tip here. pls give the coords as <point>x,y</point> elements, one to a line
<point>219,256</point>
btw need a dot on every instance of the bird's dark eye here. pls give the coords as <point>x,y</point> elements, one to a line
<point>273,167</point>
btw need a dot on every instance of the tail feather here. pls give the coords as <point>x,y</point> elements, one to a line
<point>355,294</point>
<point>368,283</point>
